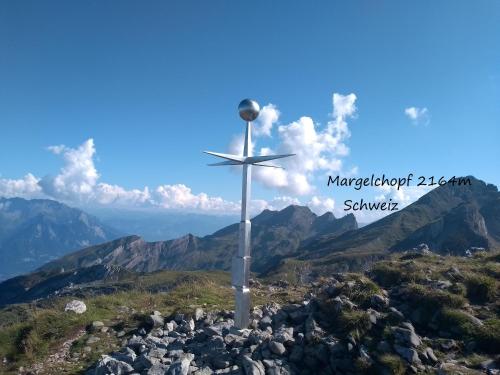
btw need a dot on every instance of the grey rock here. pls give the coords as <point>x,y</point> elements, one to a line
<point>108,364</point>
<point>180,367</point>
<point>198,313</point>
<point>92,340</point>
<point>145,362</point>
<point>222,361</point>
<point>120,334</point>
<point>265,322</point>
<point>409,354</point>
<point>204,371</point>
<point>158,369</point>
<point>395,313</point>
<point>76,306</point>
<point>252,367</point>
<point>406,336</point>
<point>379,301</point>
<point>125,355</point>
<point>277,348</point>
<point>284,335</point>
<point>431,356</point>
<point>155,320</point>
<point>96,326</point>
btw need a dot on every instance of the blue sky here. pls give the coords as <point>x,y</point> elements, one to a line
<point>155,83</point>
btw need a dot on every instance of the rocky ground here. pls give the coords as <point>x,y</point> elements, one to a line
<point>345,324</point>
<point>416,313</point>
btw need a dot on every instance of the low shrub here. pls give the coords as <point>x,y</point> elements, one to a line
<point>480,288</point>
<point>458,288</point>
<point>392,364</point>
<point>361,292</point>
<point>457,322</point>
<point>389,274</point>
<point>354,322</point>
<point>431,299</point>
<point>488,336</point>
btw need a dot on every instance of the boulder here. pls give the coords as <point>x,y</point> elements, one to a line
<point>198,313</point>
<point>409,354</point>
<point>251,367</point>
<point>277,348</point>
<point>96,326</point>
<point>155,320</point>
<point>180,367</point>
<point>108,364</point>
<point>76,306</point>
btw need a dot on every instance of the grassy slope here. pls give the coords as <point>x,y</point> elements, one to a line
<point>30,332</point>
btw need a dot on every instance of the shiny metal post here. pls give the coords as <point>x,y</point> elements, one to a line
<point>240,269</point>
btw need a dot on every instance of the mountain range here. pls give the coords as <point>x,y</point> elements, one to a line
<point>449,219</point>
<point>275,235</point>
<point>33,232</point>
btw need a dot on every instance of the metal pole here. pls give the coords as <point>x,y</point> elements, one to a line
<point>241,262</point>
<point>249,111</point>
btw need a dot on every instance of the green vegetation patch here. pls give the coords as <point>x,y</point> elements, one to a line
<point>392,273</point>
<point>392,364</point>
<point>481,288</point>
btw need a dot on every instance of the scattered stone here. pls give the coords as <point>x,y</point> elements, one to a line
<point>301,338</point>
<point>92,340</point>
<point>76,306</point>
<point>409,354</point>
<point>277,348</point>
<point>96,326</point>
<point>252,367</point>
<point>198,313</point>
<point>155,320</point>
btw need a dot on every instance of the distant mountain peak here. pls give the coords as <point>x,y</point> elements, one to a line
<point>33,232</point>
<point>275,234</point>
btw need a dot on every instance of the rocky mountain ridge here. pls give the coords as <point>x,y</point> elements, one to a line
<point>450,219</point>
<point>275,235</point>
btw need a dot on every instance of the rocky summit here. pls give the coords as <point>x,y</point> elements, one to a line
<point>344,324</point>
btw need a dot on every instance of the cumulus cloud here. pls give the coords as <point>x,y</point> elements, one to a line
<point>26,187</point>
<point>268,116</point>
<point>404,195</point>
<point>78,183</point>
<point>318,149</point>
<point>320,205</point>
<point>78,177</point>
<point>418,115</point>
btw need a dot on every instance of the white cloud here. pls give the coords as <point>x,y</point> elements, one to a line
<point>27,187</point>
<point>321,205</point>
<point>181,197</point>
<point>418,115</point>
<point>268,116</point>
<point>107,194</point>
<point>77,183</point>
<point>77,178</point>
<point>317,149</point>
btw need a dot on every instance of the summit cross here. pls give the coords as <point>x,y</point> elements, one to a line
<point>240,269</point>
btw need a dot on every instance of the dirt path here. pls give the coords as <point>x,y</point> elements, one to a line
<point>56,360</point>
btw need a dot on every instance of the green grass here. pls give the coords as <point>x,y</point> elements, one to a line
<point>362,291</point>
<point>420,296</point>
<point>391,273</point>
<point>481,288</point>
<point>392,364</point>
<point>30,332</point>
